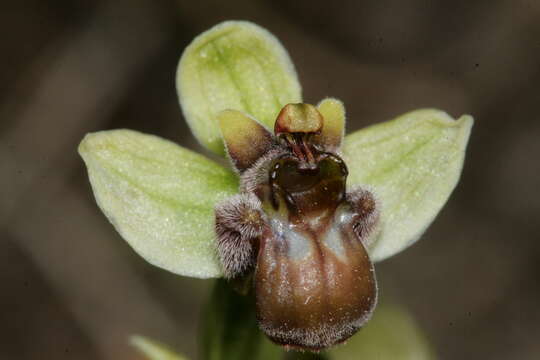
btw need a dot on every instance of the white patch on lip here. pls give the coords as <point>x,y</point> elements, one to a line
<point>314,220</point>
<point>297,244</point>
<point>333,239</point>
<point>300,247</point>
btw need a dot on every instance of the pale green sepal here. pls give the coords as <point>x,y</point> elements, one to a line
<point>235,65</point>
<point>152,350</point>
<point>160,197</point>
<point>391,334</point>
<point>412,164</point>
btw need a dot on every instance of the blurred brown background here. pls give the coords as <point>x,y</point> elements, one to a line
<point>71,288</point>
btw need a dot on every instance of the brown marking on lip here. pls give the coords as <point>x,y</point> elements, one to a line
<point>318,301</point>
<point>322,298</point>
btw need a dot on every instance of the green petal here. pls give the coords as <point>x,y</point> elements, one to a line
<point>159,196</point>
<point>235,65</point>
<point>153,350</point>
<point>333,131</point>
<point>391,334</point>
<point>245,139</point>
<point>412,164</point>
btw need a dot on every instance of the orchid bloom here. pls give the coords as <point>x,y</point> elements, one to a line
<point>303,213</point>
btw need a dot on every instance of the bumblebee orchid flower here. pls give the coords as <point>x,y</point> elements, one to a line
<point>304,211</point>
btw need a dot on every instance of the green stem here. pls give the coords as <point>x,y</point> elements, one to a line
<point>229,329</point>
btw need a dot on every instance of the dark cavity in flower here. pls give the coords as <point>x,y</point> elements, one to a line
<point>296,231</point>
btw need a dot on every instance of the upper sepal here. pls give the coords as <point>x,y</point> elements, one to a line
<point>234,65</point>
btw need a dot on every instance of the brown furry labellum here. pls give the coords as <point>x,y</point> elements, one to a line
<point>296,229</point>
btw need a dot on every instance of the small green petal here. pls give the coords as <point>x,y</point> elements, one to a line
<point>160,197</point>
<point>235,65</point>
<point>333,131</point>
<point>391,334</point>
<point>246,140</point>
<point>412,164</point>
<point>153,350</point>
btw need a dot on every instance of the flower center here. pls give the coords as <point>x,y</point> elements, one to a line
<point>307,190</point>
